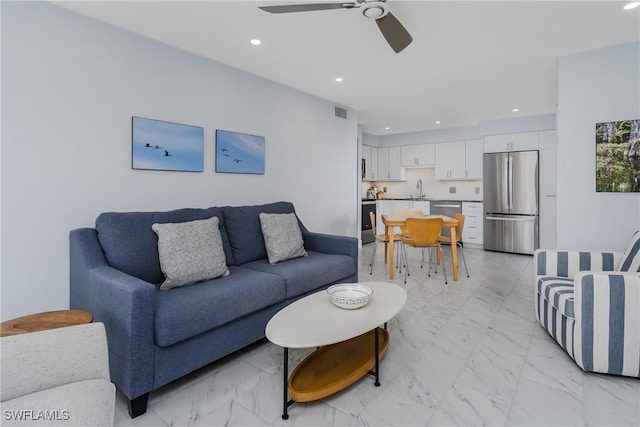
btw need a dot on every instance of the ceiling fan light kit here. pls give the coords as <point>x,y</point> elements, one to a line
<point>393,31</point>
<point>374,10</point>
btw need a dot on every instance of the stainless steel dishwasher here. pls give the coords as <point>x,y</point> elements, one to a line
<point>445,207</point>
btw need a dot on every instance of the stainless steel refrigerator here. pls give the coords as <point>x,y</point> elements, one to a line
<point>510,184</point>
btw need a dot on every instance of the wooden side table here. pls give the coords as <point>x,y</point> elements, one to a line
<point>44,321</point>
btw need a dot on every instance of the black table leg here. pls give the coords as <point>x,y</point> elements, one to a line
<point>377,352</point>
<point>285,406</point>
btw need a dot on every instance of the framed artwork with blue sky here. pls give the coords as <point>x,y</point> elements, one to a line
<point>160,145</point>
<point>239,152</point>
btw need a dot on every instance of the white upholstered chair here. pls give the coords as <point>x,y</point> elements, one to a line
<point>57,377</point>
<point>589,302</point>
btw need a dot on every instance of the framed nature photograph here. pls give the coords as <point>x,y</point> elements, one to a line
<point>239,152</point>
<point>618,156</point>
<point>160,145</point>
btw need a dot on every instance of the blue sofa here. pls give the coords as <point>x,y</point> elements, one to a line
<point>156,336</point>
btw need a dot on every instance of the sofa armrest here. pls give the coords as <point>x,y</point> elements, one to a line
<point>126,306</point>
<point>548,262</point>
<point>332,244</point>
<point>39,361</point>
<point>607,328</point>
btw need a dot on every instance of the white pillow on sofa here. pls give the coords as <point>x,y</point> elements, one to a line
<point>282,237</point>
<point>190,252</point>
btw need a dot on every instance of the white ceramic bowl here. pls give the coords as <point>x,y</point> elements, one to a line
<point>349,295</point>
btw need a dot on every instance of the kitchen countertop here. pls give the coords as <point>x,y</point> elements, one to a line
<point>426,199</point>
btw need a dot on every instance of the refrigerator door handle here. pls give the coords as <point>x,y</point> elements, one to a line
<point>505,187</point>
<point>503,218</point>
<point>510,182</point>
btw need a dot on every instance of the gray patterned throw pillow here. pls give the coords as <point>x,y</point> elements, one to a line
<point>190,252</point>
<point>282,237</point>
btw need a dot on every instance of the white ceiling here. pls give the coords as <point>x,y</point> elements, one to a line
<point>470,61</point>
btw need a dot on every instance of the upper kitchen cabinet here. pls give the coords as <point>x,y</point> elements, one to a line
<point>450,160</point>
<point>418,156</point>
<point>473,159</point>
<point>461,160</point>
<point>511,142</point>
<point>389,164</point>
<point>370,163</point>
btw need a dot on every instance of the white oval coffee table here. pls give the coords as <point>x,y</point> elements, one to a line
<point>345,340</point>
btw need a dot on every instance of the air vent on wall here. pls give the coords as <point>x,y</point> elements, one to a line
<point>341,112</point>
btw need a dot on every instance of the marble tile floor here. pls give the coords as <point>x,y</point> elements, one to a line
<point>468,353</point>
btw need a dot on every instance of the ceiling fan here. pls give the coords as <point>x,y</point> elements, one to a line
<point>392,30</point>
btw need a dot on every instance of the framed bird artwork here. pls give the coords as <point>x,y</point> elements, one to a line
<point>239,152</point>
<point>166,146</point>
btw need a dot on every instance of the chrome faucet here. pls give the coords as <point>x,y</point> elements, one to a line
<point>419,185</point>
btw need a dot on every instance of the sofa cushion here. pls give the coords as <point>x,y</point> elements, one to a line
<point>131,246</point>
<point>245,233</point>
<point>302,275</point>
<point>282,237</point>
<point>631,259</point>
<point>558,291</point>
<point>190,252</point>
<point>191,310</point>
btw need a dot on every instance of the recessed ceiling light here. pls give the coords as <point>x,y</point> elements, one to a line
<point>632,5</point>
<point>437,122</point>
<point>255,42</point>
<point>387,128</point>
<point>339,79</point>
<point>515,110</point>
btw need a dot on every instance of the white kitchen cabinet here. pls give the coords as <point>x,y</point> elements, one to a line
<point>450,160</point>
<point>383,163</point>
<point>418,155</point>
<point>401,205</point>
<point>548,202</point>
<point>366,162</point>
<point>380,210</point>
<point>389,164</point>
<point>370,156</point>
<point>411,205</point>
<point>421,205</point>
<point>473,159</point>
<point>461,160</point>
<point>473,222</point>
<point>511,142</point>
<point>384,207</point>
<point>548,140</point>
<point>389,207</point>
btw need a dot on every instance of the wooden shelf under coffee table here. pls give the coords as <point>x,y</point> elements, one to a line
<point>334,367</point>
<point>350,342</point>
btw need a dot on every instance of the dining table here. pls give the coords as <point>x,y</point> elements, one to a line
<point>392,221</point>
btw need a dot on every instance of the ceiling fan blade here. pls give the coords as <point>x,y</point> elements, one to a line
<point>396,35</point>
<point>288,8</point>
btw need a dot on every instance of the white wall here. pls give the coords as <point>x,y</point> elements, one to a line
<point>69,88</point>
<point>593,87</point>
<point>431,187</point>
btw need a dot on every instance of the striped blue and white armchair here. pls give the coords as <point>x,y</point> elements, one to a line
<point>589,302</point>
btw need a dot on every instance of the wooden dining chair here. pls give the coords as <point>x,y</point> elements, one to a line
<point>379,238</point>
<point>447,239</point>
<point>407,214</point>
<point>403,229</point>
<point>423,233</point>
